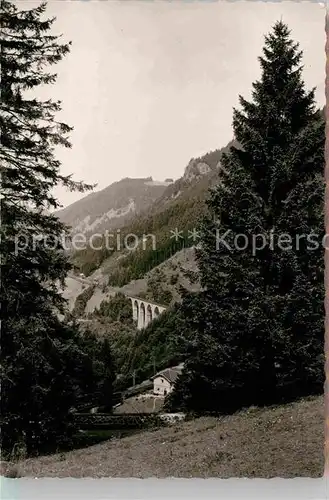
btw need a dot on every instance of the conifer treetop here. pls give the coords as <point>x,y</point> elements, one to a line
<point>30,130</point>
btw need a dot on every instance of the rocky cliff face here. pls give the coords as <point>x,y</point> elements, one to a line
<point>117,205</point>
<point>195,169</point>
<point>199,175</point>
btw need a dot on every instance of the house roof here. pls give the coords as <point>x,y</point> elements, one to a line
<point>169,374</point>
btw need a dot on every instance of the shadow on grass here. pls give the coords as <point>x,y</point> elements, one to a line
<point>90,437</point>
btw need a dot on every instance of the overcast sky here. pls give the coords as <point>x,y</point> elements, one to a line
<point>149,85</point>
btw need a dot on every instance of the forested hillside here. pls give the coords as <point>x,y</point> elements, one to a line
<point>161,344</point>
<point>180,207</point>
<point>112,207</point>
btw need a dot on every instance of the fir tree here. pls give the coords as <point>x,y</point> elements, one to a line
<point>99,370</point>
<point>43,367</point>
<point>259,321</point>
<point>107,377</point>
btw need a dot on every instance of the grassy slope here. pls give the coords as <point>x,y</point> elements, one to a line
<point>284,441</point>
<point>141,404</point>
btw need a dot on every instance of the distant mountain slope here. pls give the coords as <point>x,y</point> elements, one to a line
<point>113,206</point>
<point>179,207</point>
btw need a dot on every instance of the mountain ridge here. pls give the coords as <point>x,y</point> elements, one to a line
<point>155,274</point>
<point>111,207</point>
<point>178,207</point>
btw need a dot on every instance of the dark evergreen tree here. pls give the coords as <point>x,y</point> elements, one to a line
<point>43,366</point>
<point>107,377</point>
<point>258,323</point>
<point>99,371</point>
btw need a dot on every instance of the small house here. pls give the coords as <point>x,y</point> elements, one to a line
<point>163,382</point>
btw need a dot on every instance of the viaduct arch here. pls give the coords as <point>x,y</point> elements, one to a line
<point>144,311</point>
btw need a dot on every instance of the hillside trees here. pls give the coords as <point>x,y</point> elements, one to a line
<point>43,364</point>
<point>161,344</point>
<point>259,321</point>
<point>179,207</point>
<point>100,372</point>
<point>138,354</point>
<point>117,308</point>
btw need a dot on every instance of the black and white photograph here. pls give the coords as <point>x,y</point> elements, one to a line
<point>163,237</point>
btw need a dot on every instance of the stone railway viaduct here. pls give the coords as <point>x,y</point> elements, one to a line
<point>143,311</point>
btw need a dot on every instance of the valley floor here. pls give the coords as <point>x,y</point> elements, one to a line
<point>283,441</point>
